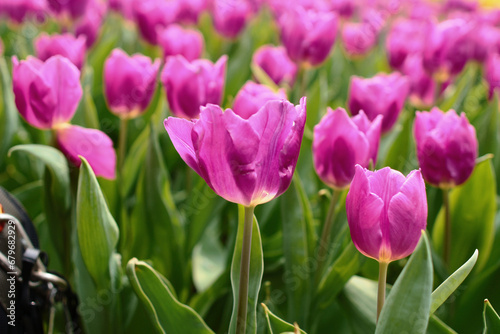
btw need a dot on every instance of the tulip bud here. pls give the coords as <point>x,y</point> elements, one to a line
<point>46,93</point>
<point>230,16</point>
<point>175,40</point>
<point>252,97</point>
<point>65,45</point>
<point>358,38</point>
<point>341,142</point>
<point>386,212</point>
<point>384,94</point>
<point>20,9</point>
<point>492,73</point>
<point>308,36</point>
<point>91,22</point>
<point>191,85</point>
<point>274,61</point>
<point>190,10</point>
<point>406,37</point>
<point>246,161</point>
<point>94,145</point>
<point>129,82</point>
<point>422,86</point>
<point>153,15</point>
<point>446,147</point>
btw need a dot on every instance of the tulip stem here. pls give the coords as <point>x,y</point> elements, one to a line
<point>122,143</point>
<point>382,281</point>
<point>246,247</point>
<point>325,234</point>
<point>447,227</point>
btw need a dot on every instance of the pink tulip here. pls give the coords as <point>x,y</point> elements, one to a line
<point>492,73</point>
<point>91,22</point>
<point>230,16</point>
<point>175,40</point>
<point>252,97</point>
<point>46,93</point>
<point>384,94</point>
<point>245,161</point>
<point>129,82</point>
<point>124,7</point>
<point>308,36</point>
<point>68,8</point>
<point>189,10</point>
<point>274,61</point>
<point>153,15</point>
<point>18,10</point>
<point>191,85</point>
<point>94,145</point>
<point>341,142</point>
<point>65,45</point>
<point>406,37</point>
<point>358,38</point>
<point>422,86</point>
<point>386,212</point>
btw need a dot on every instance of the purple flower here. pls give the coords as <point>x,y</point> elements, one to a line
<point>386,212</point>
<point>125,7</point>
<point>406,37</point>
<point>274,61</point>
<point>492,72</point>
<point>446,147</point>
<point>68,8</point>
<point>358,38</point>
<point>90,24</point>
<point>94,145</point>
<point>129,82</point>
<point>340,143</point>
<point>252,97</point>
<point>190,10</point>
<point>65,45</point>
<point>246,161</point>
<point>308,36</point>
<point>175,40</point>
<point>384,94</point>
<point>230,16</point>
<point>153,15</point>
<point>422,86</point>
<point>46,93</point>
<point>191,85</point>
<point>20,9</point>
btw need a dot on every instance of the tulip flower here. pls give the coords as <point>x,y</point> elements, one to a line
<point>92,144</point>
<point>230,16</point>
<point>358,38</point>
<point>68,8</point>
<point>386,213</point>
<point>341,142</point>
<point>384,94</point>
<point>65,45</point>
<point>189,10</point>
<point>153,15</point>
<point>20,9</point>
<point>274,61</point>
<point>191,85</point>
<point>252,97</point>
<point>91,22</point>
<point>46,93</point>
<point>492,73</point>
<point>129,82</point>
<point>406,37</point>
<point>124,7</point>
<point>446,147</point>
<point>308,36</point>
<point>344,8</point>
<point>422,86</point>
<point>175,40</point>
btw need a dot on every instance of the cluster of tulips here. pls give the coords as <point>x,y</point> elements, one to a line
<point>248,153</point>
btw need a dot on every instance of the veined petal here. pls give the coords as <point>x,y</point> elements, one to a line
<point>180,131</point>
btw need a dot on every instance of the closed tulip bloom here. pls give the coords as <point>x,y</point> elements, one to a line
<point>406,37</point>
<point>422,86</point>
<point>69,8</point>
<point>230,16</point>
<point>46,93</point>
<point>384,94</point>
<point>153,15</point>
<point>358,38</point>
<point>65,45</point>
<point>446,147</point>
<point>175,40</point>
<point>18,10</point>
<point>245,161</point>
<point>94,145</point>
<point>340,143</point>
<point>191,85</point>
<point>189,10</point>
<point>129,82</point>
<point>308,36</point>
<point>386,212</point>
<point>492,72</point>
<point>252,97</point>
<point>274,61</point>
<point>91,22</point>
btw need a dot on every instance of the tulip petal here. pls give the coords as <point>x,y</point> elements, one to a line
<point>94,145</point>
<point>179,131</point>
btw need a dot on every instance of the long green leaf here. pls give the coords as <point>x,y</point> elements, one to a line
<point>446,288</point>
<point>408,304</point>
<point>97,230</point>
<point>277,325</point>
<point>9,120</point>
<point>491,319</point>
<point>167,313</point>
<point>256,271</point>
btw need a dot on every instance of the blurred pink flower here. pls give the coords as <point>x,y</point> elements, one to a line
<point>358,38</point>
<point>18,10</point>
<point>252,97</point>
<point>274,61</point>
<point>175,40</point>
<point>65,45</point>
<point>153,15</point>
<point>230,16</point>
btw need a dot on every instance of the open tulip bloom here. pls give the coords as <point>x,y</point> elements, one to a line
<point>246,161</point>
<point>386,213</point>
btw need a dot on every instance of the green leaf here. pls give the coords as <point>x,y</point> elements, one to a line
<point>491,319</point>
<point>9,120</point>
<point>400,155</point>
<point>473,206</point>
<point>345,266</point>
<point>256,271</point>
<point>408,304</point>
<point>97,230</point>
<point>167,313</point>
<point>446,288</point>
<point>359,299</point>
<point>437,326</point>
<point>277,325</point>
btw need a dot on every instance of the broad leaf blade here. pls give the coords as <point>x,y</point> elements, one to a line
<point>491,319</point>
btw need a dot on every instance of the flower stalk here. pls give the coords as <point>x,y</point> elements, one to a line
<point>447,227</point>
<point>382,282</point>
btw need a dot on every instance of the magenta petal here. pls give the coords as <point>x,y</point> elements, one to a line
<point>179,131</point>
<point>94,145</point>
